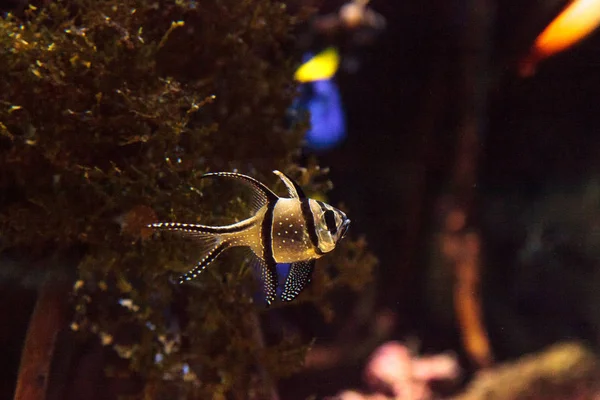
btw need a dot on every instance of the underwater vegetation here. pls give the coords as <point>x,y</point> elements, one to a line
<point>110,112</point>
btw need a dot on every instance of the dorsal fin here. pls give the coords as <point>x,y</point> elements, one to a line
<point>293,188</point>
<point>261,194</point>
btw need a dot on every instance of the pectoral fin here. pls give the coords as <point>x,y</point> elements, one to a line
<point>267,275</point>
<point>298,278</point>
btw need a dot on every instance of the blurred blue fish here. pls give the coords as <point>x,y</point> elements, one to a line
<point>321,99</point>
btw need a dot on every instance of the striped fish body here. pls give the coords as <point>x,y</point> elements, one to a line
<point>290,237</point>
<point>294,230</point>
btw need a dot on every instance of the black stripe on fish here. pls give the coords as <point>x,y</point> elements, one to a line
<point>267,234</point>
<point>309,221</point>
<point>195,228</point>
<point>202,264</point>
<point>322,205</point>
<point>329,217</point>
<point>269,265</point>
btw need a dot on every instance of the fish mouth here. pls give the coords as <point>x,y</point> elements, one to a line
<point>344,228</point>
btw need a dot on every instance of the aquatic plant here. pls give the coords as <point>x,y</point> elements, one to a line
<point>109,113</point>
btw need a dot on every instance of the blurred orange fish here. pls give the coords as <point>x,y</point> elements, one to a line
<point>578,20</point>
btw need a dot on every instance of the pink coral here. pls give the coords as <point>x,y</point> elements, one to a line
<point>393,370</point>
<point>353,395</point>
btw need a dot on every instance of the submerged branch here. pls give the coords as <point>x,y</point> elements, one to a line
<point>47,320</point>
<point>267,379</point>
<point>467,261</point>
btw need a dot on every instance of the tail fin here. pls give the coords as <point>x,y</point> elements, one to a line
<point>211,243</point>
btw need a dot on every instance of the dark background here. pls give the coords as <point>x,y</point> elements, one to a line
<point>538,159</point>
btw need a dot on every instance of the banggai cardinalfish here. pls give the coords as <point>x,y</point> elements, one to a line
<point>295,230</point>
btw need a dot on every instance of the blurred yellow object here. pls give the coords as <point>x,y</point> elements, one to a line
<point>322,66</point>
<point>575,22</point>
